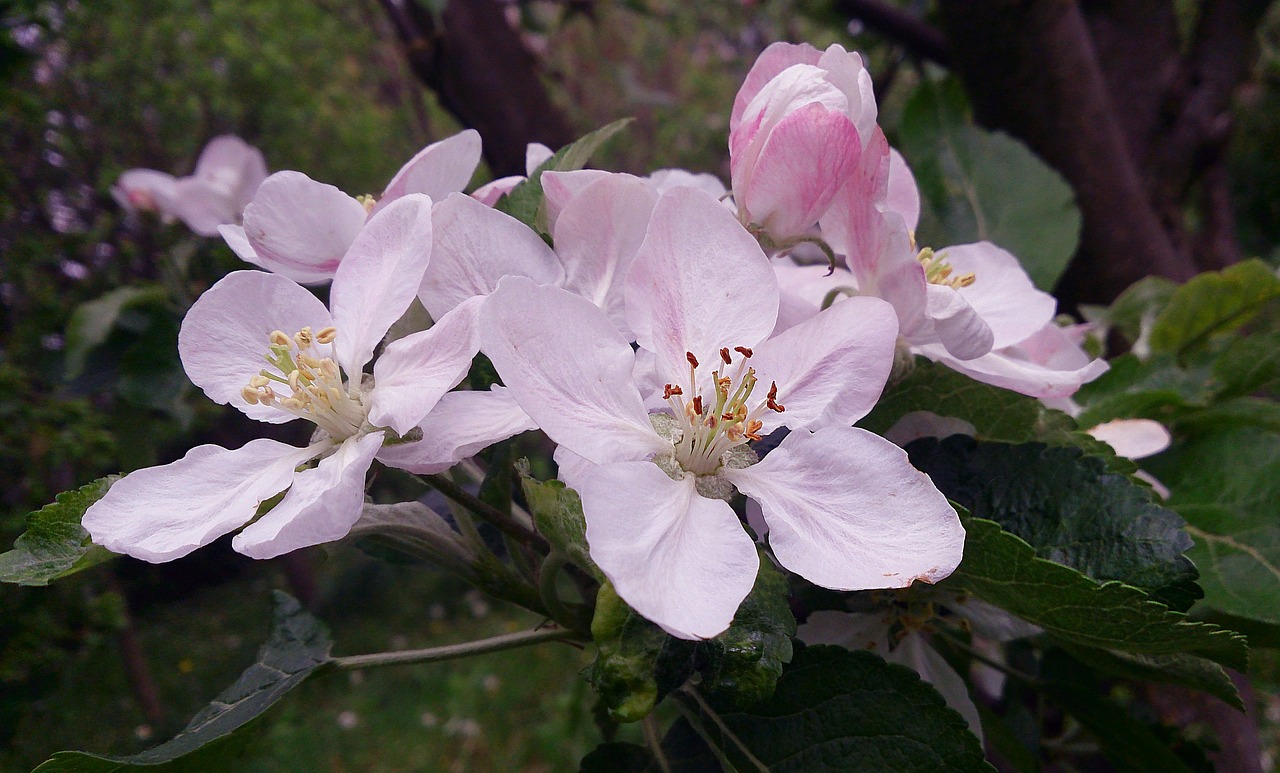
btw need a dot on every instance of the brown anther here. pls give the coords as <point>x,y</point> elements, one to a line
<point>771,400</point>
<point>724,355</point>
<point>773,405</point>
<point>671,389</point>
<point>697,404</point>
<point>753,429</point>
<point>744,351</point>
<point>727,416</point>
<point>326,335</point>
<point>723,383</point>
<point>692,360</point>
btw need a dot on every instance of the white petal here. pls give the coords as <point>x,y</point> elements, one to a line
<point>559,188</point>
<point>700,282</point>
<point>535,155</point>
<point>475,246</point>
<point>569,368</point>
<point>322,506</point>
<point>921,424</point>
<point>1048,364</point>
<point>1001,293</point>
<point>915,653</point>
<point>437,170</point>
<point>226,334</point>
<point>597,236</point>
<point>379,277</point>
<point>570,467</point>
<point>664,180</point>
<point>301,228</point>
<point>831,368</point>
<point>846,510</point>
<point>804,288</point>
<point>462,425</point>
<point>414,372</point>
<point>145,189</point>
<point>903,196</point>
<point>489,193</point>
<point>234,236</point>
<point>955,323</point>
<point>679,559</point>
<point>855,631</point>
<point>162,513</point>
<point>847,73</point>
<point>1133,438</point>
<point>773,60</point>
<point>201,206</point>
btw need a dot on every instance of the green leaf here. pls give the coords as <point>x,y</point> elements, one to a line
<point>1156,388</point>
<point>1136,308</point>
<point>1125,741</point>
<point>996,414</point>
<point>638,663</point>
<point>55,544</point>
<point>557,514</point>
<point>1180,669</point>
<point>297,648</point>
<point>985,185</point>
<point>1212,304</point>
<point>1069,508</point>
<point>92,322</point>
<point>619,757</point>
<point>1234,413</point>
<point>525,201</point>
<point>835,710</point>
<point>1248,365</point>
<point>1001,568</point>
<point>1227,486</point>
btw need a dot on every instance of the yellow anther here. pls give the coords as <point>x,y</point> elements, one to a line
<point>326,335</point>
<point>294,380</point>
<point>280,339</point>
<point>259,381</point>
<point>303,338</point>
<point>964,280</point>
<point>250,395</point>
<point>292,403</point>
<point>266,395</point>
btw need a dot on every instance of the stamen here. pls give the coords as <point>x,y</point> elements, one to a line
<point>303,338</point>
<point>280,339</point>
<point>693,361</point>
<point>671,389</point>
<point>744,351</point>
<point>250,395</point>
<point>697,405</point>
<point>326,335</point>
<point>724,355</point>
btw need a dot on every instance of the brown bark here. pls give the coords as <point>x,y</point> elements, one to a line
<point>479,68</point>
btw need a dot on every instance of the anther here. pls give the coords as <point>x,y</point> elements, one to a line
<point>671,389</point>
<point>753,429</point>
<point>964,280</point>
<point>326,335</point>
<point>292,403</point>
<point>250,395</point>
<point>744,351</point>
<point>692,360</point>
<point>280,339</point>
<point>724,355</point>
<point>303,338</point>
<point>259,381</point>
<point>697,402</point>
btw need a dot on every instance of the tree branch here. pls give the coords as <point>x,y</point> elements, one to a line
<point>920,38</point>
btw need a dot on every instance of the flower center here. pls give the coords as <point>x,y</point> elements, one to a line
<point>711,422</point>
<point>938,272</point>
<point>317,391</point>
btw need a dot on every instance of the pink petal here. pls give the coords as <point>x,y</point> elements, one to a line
<point>475,246</point>
<point>234,236</point>
<point>831,368</point>
<point>489,193</point>
<point>804,288</point>
<point>1133,438</point>
<point>535,155</point>
<point>698,283</point>
<point>233,166</point>
<point>1048,364</point>
<point>854,225</point>
<point>1002,293</point>
<point>681,560</point>
<point>846,510</point>
<point>144,189</point>
<point>903,196</point>
<point>559,188</point>
<point>227,332</point>
<point>806,159</point>
<point>461,425</point>
<point>301,228</point>
<point>956,324</point>
<point>201,206</point>
<point>598,234</point>
<point>569,368</point>
<point>773,60</point>
<point>414,372</point>
<point>922,424</point>
<point>322,506</point>
<point>664,180</point>
<point>162,513</point>
<point>379,277</point>
<point>846,72</point>
<point>437,170</point>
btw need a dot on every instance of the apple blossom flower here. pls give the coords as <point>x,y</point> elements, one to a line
<point>301,228</point>
<point>315,371</point>
<point>846,509</point>
<point>227,175</point>
<point>798,127</point>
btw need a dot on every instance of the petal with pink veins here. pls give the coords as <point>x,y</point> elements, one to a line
<point>698,283</point>
<point>437,170</point>
<point>414,372</point>
<point>679,559</point>
<point>773,60</point>
<point>301,228</point>
<point>161,513</point>
<point>569,368</point>
<point>323,504</point>
<point>902,196</point>
<point>379,278</point>
<point>475,246</point>
<point>1001,293</point>
<point>461,425</point>
<point>847,511</point>
<point>227,333</point>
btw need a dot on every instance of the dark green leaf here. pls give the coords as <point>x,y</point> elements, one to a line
<point>297,648</point>
<point>624,673</point>
<point>557,514</point>
<point>1132,388</point>
<point>1001,568</point>
<point>619,757</point>
<point>1069,508</point>
<point>55,544</point>
<point>1248,365</point>
<point>985,185</point>
<point>1130,744</point>
<point>1136,308</point>
<point>1181,669</point>
<point>525,201</point>
<point>1227,486</point>
<point>1212,304</point>
<point>835,710</point>
<point>92,322</point>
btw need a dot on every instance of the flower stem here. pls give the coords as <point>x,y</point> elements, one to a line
<point>503,521</point>
<point>451,651</point>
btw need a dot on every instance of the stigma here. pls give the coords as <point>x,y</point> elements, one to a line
<point>304,381</point>
<point>718,411</point>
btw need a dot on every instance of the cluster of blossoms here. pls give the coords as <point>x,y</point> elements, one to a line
<point>667,337</point>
